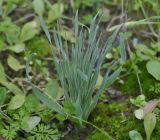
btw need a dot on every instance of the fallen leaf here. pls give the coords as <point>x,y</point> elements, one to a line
<point>150,106</point>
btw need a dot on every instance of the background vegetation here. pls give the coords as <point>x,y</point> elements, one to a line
<point>128,109</point>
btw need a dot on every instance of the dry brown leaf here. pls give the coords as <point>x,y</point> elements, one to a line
<point>150,106</point>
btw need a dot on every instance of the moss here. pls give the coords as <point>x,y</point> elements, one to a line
<point>46,115</point>
<point>111,118</point>
<point>97,136</point>
<point>131,86</point>
<point>40,46</point>
<point>147,80</point>
<point>118,119</point>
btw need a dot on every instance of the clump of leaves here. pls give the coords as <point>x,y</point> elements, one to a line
<point>78,70</point>
<point>155,88</point>
<point>46,115</point>
<point>44,132</point>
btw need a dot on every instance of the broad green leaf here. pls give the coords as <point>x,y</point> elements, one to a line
<point>31,103</point>
<point>12,33</point>
<point>1,45</point>
<point>14,63</point>
<point>13,88</point>
<point>153,68</point>
<point>3,81</point>
<point>32,123</point>
<point>99,81</point>
<point>60,92</point>
<point>139,113</point>
<point>52,88</point>
<point>132,24</point>
<point>2,74</point>
<point>134,135</point>
<point>17,48</point>
<point>3,93</point>
<point>55,12</point>
<point>149,124</point>
<point>16,102</point>
<point>29,30</point>
<point>38,7</point>
<point>68,35</point>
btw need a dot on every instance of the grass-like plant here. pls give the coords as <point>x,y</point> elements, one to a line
<point>78,67</point>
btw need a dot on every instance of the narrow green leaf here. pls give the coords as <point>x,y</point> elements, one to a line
<point>45,29</point>
<point>3,95</point>
<point>109,79</point>
<point>122,48</point>
<point>50,102</point>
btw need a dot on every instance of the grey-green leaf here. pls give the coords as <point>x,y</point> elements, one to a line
<point>122,48</point>
<point>32,123</point>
